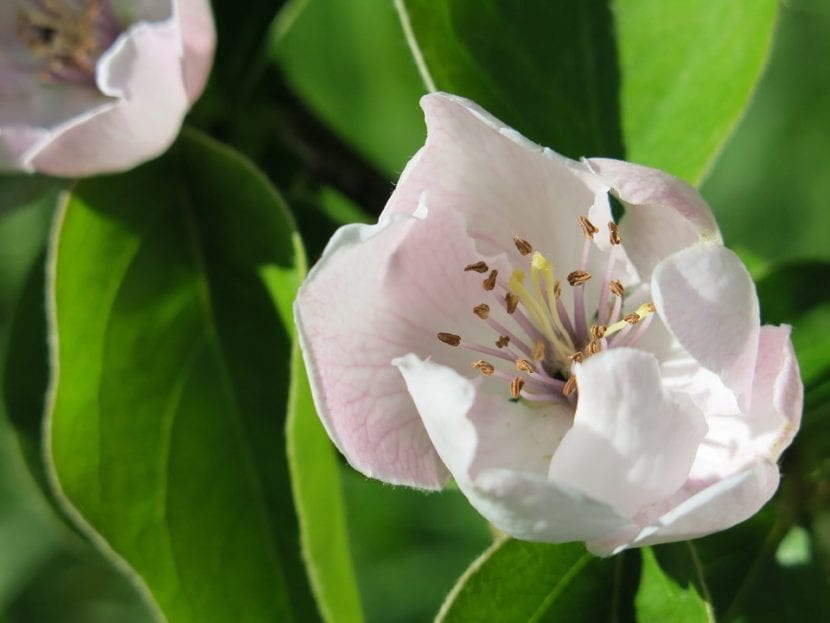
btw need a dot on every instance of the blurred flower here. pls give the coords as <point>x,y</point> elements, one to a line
<point>88,86</point>
<point>589,381</point>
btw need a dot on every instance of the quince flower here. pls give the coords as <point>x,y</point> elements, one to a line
<point>580,379</point>
<point>90,86</point>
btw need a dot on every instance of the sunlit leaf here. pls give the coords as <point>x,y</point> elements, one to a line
<point>661,597</point>
<point>171,288</point>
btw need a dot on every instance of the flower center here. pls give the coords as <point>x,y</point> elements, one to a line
<point>537,356</point>
<point>66,39</point>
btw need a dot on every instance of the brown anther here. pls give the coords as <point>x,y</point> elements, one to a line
<point>588,228</point>
<point>482,311</point>
<point>616,288</point>
<point>512,302</point>
<point>593,347</point>
<point>516,387</point>
<point>502,341</point>
<point>577,357</point>
<point>490,282</point>
<point>538,350</point>
<point>524,247</point>
<point>570,386</point>
<point>523,365</point>
<point>485,367</point>
<point>650,307</point>
<point>479,267</point>
<point>450,338</point>
<point>578,277</point>
<point>598,331</point>
<point>557,289</point>
<point>632,318</point>
<point>614,235</point>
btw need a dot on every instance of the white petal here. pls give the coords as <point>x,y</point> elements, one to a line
<point>707,300</point>
<point>498,453</point>
<point>663,214</point>
<point>632,442</point>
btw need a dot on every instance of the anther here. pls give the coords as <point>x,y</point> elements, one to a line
<point>616,288</point>
<point>577,357</point>
<point>512,302</point>
<point>598,331</point>
<point>490,282</point>
<point>502,341</point>
<point>524,247</point>
<point>633,318</point>
<point>614,235</point>
<point>570,386</point>
<point>450,338</point>
<point>479,267</point>
<point>557,289</point>
<point>588,228</point>
<point>538,353</point>
<point>593,347</point>
<point>516,387</point>
<point>523,365</point>
<point>649,308</point>
<point>482,311</point>
<point>486,368</point>
<point>578,277</point>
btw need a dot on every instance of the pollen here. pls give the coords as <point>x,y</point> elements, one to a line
<point>588,228</point>
<point>450,338</point>
<point>503,341</point>
<point>490,282</point>
<point>479,267</point>
<point>578,277</point>
<point>613,233</point>
<point>486,368</point>
<point>523,365</point>
<point>482,311</point>
<point>523,246</point>
<point>616,288</point>
<point>516,386</point>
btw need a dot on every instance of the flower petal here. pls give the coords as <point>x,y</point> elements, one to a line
<point>717,507</point>
<point>632,442</point>
<point>142,69</point>
<point>498,453</point>
<point>707,300</point>
<point>735,439</point>
<point>663,214</point>
<point>380,292</point>
<point>198,41</point>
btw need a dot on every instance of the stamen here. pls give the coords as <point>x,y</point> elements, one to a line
<point>538,350</point>
<point>577,357</point>
<point>502,341</point>
<point>486,368</point>
<point>578,277</point>
<point>516,386</point>
<point>450,338</point>
<point>511,302</point>
<point>490,282</point>
<point>598,331</point>
<point>616,288</point>
<point>523,246</point>
<point>614,235</point>
<point>523,365</point>
<point>482,311</point>
<point>588,227</point>
<point>570,387</point>
<point>632,318</point>
<point>479,267</point>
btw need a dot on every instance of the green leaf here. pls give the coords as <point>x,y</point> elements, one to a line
<point>170,302</point>
<point>328,48</point>
<point>533,582</point>
<point>547,69</point>
<point>688,70</point>
<point>319,499</point>
<point>661,598</point>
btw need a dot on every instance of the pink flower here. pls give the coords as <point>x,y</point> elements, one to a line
<point>592,382</point>
<point>90,86</point>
